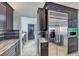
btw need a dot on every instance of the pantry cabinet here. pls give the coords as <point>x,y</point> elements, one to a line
<point>42,19</point>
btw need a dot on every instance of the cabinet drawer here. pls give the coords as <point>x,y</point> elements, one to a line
<point>44,44</point>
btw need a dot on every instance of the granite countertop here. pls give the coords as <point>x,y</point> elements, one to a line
<point>42,40</point>
<point>6,44</point>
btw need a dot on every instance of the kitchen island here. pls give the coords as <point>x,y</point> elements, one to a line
<point>10,47</point>
<point>42,47</point>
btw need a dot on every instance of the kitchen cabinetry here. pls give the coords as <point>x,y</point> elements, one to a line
<point>17,48</point>
<point>42,19</point>
<point>2,20</point>
<point>9,16</point>
<point>44,49</point>
<point>72,21</point>
<point>73,46</point>
<point>6,19</point>
<point>2,17</point>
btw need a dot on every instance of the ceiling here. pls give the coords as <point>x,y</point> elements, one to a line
<point>29,9</point>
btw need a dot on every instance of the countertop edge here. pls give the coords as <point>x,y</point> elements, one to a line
<point>9,46</point>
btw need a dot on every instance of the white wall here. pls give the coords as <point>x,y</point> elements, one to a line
<point>24,25</point>
<point>27,20</point>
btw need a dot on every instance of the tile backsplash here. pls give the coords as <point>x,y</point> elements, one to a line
<point>13,34</point>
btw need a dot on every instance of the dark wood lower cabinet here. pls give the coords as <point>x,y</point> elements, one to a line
<point>17,49</point>
<point>44,49</point>
<point>72,45</point>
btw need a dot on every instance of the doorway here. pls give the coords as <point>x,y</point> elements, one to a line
<point>28,26</point>
<point>30,31</point>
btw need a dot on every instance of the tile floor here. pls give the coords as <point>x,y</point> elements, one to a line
<point>29,48</point>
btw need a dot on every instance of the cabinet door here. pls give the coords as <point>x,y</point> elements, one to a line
<point>2,17</point>
<point>44,49</point>
<point>9,20</point>
<point>42,19</point>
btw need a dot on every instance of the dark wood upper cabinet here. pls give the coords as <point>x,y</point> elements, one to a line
<point>42,19</point>
<point>72,12</point>
<point>8,23</point>
<point>2,17</point>
<point>9,18</point>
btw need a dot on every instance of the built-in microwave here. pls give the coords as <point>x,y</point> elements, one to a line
<point>72,34</point>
